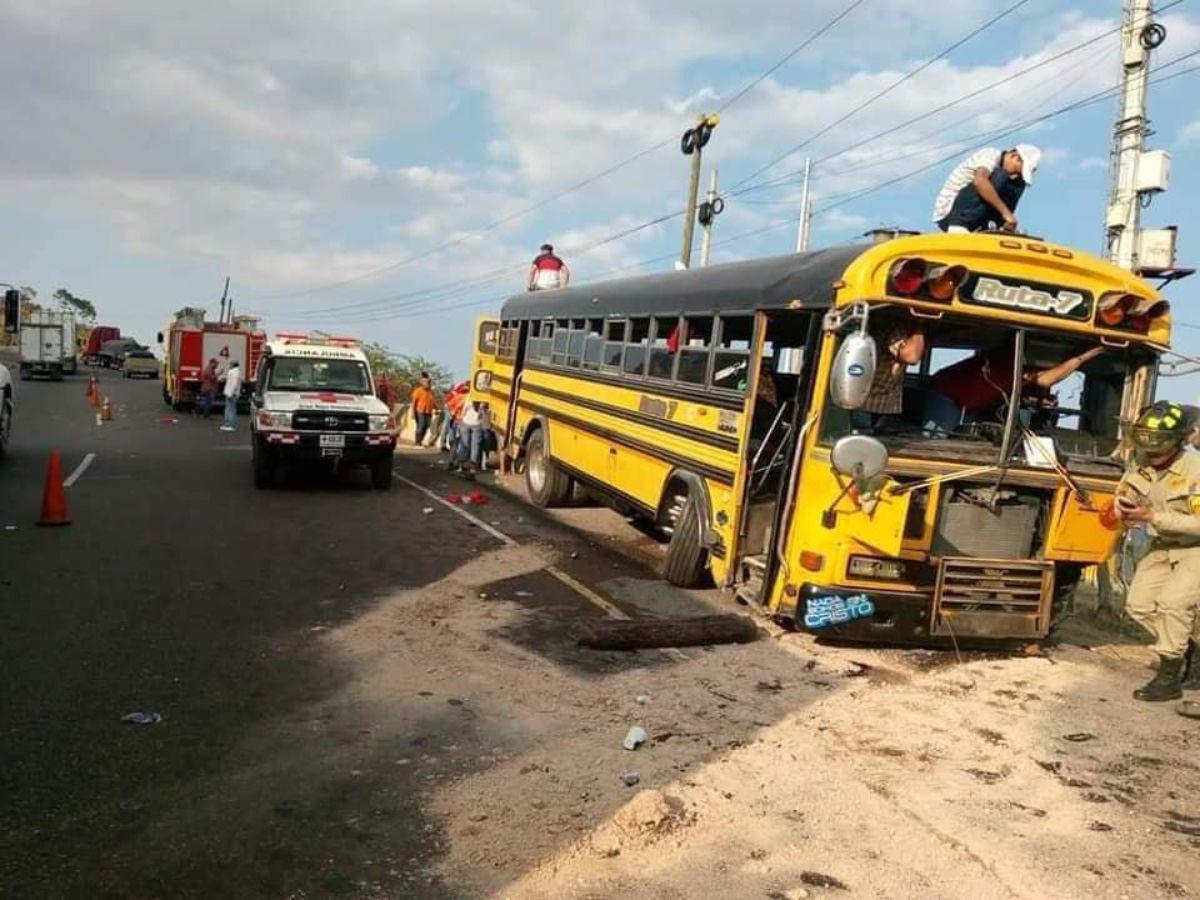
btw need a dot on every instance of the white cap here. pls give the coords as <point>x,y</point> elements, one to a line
<point>1030,157</point>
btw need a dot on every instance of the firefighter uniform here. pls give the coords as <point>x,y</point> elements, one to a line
<point>1165,592</point>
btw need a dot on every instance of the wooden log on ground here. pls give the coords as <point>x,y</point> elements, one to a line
<point>640,634</point>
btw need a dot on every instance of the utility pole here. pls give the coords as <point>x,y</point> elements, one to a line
<point>224,295</point>
<point>692,143</point>
<point>706,220</point>
<point>1139,36</point>
<point>805,209</point>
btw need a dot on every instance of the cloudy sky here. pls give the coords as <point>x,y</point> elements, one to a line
<point>346,164</point>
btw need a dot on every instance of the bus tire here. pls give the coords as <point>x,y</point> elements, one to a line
<point>546,484</point>
<point>686,563</point>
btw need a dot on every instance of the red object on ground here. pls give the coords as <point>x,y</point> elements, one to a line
<point>454,498</point>
<point>477,497</point>
<point>54,496</point>
<point>168,420</point>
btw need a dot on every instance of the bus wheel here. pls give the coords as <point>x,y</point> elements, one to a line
<point>546,484</point>
<point>686,558</point>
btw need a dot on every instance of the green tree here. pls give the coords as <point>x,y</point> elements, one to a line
<point>403,370</point>
<point>85,308</point>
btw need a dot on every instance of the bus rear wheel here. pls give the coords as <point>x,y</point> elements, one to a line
<point>686,562</point>
<point>546,484</point>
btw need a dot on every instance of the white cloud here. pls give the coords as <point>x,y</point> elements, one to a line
<point>1190,133</point>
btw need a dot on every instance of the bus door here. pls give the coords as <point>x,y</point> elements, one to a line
<point>785,347</point>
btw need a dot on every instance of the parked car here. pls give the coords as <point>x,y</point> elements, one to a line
<point>112,353</point>
<point>139,364</point>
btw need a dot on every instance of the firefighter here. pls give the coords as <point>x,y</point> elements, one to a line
<point>1162,492</point>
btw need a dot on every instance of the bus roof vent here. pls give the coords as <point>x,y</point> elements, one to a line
<point>887,233</point>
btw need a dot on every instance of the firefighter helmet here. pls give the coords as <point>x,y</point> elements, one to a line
<point>1161,428</point>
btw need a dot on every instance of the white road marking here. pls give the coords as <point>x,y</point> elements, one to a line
<point>79,470</point>
<point>586,592</point>
<point>490,529</point>
<point>583,590</point>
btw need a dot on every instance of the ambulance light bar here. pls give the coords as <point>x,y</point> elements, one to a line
<point>326,340</point>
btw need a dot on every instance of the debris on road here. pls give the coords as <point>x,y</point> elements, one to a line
<point>635,634</point>
<point>427,510</point>
<point>456,499</point>
<point>523,593</point>
<point>476,497</point>
<point>634,738</point>
<point>643,699</point>
<point>1079,737</point>
<point>168,420</point>
<point>630,779</point>
<point>142,718</point>
<point>818,879</point>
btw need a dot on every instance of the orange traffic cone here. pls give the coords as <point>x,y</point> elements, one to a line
<point>94,393</point>
<point>54,497</point>
<point>106,411</point>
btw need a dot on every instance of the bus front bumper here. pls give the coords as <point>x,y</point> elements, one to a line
<point>895,616</point>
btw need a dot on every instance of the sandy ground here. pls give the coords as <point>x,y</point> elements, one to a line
<point>782,768</point>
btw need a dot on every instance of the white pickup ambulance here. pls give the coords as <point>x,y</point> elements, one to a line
<point>313,400</point>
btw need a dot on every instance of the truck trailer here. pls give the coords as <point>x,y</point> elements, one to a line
<point>44,346</point>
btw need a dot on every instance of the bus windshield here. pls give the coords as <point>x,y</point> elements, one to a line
<point>346,376</point>
<point>952,403</point>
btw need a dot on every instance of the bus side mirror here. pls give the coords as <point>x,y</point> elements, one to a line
<point>12,310</point>
<point>853,371</point>
<point>859,457</point>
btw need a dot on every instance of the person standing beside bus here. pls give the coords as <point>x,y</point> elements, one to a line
<point>547,271</point>
<point>423,406</point>
<point>984,189</point>
<point>1162,492</point>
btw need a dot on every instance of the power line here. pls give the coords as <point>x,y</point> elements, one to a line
<point>882,93</point>
<point>792,53</point>
<point>491,226</point>
<point>1098,97</point>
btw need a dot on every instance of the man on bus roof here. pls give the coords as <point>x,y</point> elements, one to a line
<point>548,271</point>
<point>984,189</point>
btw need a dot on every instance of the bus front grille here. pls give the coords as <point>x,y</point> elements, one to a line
<point>988,598</point>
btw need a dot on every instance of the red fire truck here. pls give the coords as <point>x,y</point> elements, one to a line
<point>189,342</point>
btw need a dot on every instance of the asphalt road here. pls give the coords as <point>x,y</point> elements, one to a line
<point>179,589</point>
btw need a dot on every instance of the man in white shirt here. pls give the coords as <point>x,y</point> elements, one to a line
<point>983,190</point>
<point>233,390</point>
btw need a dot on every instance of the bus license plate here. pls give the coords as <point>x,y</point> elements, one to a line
<point>333,441</point>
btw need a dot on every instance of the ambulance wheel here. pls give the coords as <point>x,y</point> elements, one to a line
<point>685,563</point>
<point>546,484</point>
<point>264,469</point>
<point>381,474</point>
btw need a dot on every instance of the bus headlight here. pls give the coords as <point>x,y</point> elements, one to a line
<point>381,423</point>
<point>873,567</point>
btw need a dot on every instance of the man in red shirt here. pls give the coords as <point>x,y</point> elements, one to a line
<point>548,271</point>
<point>967,388</point>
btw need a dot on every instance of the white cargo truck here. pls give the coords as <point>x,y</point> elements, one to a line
<point>42,345</point>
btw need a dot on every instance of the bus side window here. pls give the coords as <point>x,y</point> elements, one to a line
<point>575,343</point>
<point>731,360</point>
<point>614,343</point>
<point>662,358</point>
<point>562,332</point>
<point>592,344</point>
<point>635,347</point>
<point>693,349</point>
<point>487,338</point>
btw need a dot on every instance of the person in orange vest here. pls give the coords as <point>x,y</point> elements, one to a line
<point>547,271</point>
<point>423,406</point>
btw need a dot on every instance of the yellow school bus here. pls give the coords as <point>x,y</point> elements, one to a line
<point>725,406</point>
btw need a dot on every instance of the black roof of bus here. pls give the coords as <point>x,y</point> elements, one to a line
<point>773,282</point>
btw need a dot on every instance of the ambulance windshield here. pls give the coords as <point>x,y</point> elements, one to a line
<point>346,376</point>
